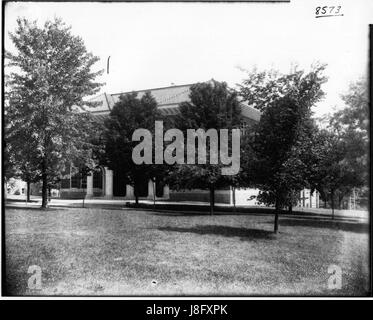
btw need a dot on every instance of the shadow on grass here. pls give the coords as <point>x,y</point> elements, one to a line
<point>20,200</point>
<point>357,227</point>
<point>167,213</point>
<point>244,233</point>
<point>33,208</point>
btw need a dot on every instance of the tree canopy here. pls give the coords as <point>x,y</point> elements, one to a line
<point>282,139</point>
<point>49,75</point>
<point>212,105</point>
<point>128,114</point>
<point>340,149</point>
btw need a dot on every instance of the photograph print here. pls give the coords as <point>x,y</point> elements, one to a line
<point>167,149</point>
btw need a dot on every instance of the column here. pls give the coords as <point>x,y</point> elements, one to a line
<point>90,185</point>
<point>166,192</point>
<point>304,198</point>
<point>150,190</point>
<point>130,194</point>
<point>108,183</point>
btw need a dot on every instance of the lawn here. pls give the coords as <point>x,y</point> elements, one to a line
<point>133,252</point>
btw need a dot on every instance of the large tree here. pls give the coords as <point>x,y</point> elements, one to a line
<point>212,105</point>
<point>128,114</point>
<point>282,139</point>
<point>280,148</point>
<point>49,75</point>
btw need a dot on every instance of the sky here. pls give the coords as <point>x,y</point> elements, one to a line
<point>154,45</point>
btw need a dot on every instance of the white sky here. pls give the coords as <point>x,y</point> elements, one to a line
<point>156,44</point>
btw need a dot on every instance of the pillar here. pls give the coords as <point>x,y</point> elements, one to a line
<point>130,194</point>
<point>166,192</point>
<point>108,183</point>
<point>90,185</point>
<point>150,189</point>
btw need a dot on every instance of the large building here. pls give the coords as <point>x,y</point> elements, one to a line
<point>104,183</point>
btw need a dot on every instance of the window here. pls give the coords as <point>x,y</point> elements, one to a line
<point>84,182</point>
<point>97,179</point>
<point>244,127</point>
<point>75,181</point>
<point>65,183</point>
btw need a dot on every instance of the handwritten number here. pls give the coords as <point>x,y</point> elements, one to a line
<point>332,10</point>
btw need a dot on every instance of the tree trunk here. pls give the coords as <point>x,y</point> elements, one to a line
<point>44,189</point>
<point>28,191</point>
<point>5,191</point>
<point>135,192</point>
<point>277,210</point>
<point>332,194</point>
<point>212,199</point>
<point>290,209</point>
<point>49,194</point>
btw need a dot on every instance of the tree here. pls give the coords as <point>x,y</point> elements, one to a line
<point>281,142</point>
<point>340,151</point>
<point>279,146</point>
<point>351,124</point>
<point>212,106</point>
<point>332,175</point>
<point>50,74</point>
<point>128,114</point>
<point>260,89</point>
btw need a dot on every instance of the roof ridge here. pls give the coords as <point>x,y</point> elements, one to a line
<point>153,89</point>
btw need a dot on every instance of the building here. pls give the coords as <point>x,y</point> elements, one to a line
<point>308,199</point>
<point>104,183</point>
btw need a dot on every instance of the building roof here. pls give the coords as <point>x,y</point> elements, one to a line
<point>168,100</point>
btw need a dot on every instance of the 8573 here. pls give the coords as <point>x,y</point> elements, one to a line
<point>328,11</point>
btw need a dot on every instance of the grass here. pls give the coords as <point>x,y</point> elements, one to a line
<point>133,252</point>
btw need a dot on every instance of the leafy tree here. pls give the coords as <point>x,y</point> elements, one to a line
<point>282,139</point>
<point>128,114</point>
<point>351,124</point>
<point>340,151</point>
<point>50,74</point>
<point>280,147</point>
<point>212,106</point>
<point>260,89</point>
<point>332,175</point>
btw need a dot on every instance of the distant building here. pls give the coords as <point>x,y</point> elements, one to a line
<point>16,187</point>
<point>308,199</point>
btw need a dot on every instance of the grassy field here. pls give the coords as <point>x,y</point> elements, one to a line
<point>129,252</point>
